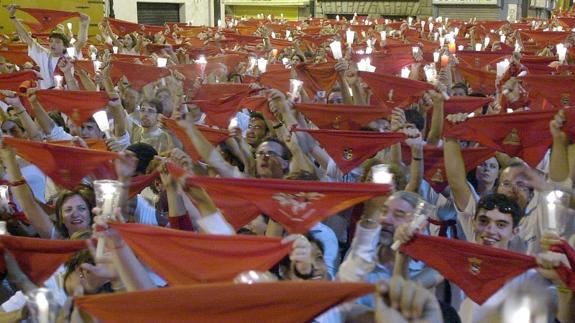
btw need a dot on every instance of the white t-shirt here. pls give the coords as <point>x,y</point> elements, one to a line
<point>46,62</point>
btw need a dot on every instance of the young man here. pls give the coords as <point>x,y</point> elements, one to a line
<point>495,224</point>
<point>149,131</point>
<point>48,58</point>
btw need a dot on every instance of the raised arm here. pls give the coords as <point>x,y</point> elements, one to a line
<point>39,218</point>
<point>22,33</point>
<point>32,130</point>
<point>559,164</point>
<point>437,117</point>
<point>455,169</point>
<point>83,32</point>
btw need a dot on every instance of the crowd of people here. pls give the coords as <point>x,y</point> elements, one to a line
<point>325,170</point>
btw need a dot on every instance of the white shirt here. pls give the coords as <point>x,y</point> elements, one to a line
<point>46,62</point>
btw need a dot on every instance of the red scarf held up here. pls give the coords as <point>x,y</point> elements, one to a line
<point>184,258</point>
<point>258,103</point>
<point>349,149</point>
<point>522,134</point>
<point>320,77</point>
<point>278,79</point>
<point>480,80</point>
<point>341,117</point>
<point>544,38</point>
<point>393,91</point>
<point>214,136</point>
<point>122,27</point>
<point>480,271</point>
<point>221,91</point>
<point>12,81</point>
<point>464,104</point>
<point>566,275</point>
<point>39,258</point>
<point>387,63</point>
<point>66,166</point>
<point>479,60</point>
<point>16,57</point>
<point>278,302</point>
<point>219,112</point>
<point>48,19</point>
<point>237,210</point>
<point>138,75</point>
<point>559,90</point>
<point>434,163</point>
<point>296,205</point>
<point>79,105</point>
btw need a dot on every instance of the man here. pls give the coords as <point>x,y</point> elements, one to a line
<point>149,131</point>
<point>257,129</point>
<point>48,58</point>
<point>90,130</point>
<point>495,224</point>
<point>371,258</point>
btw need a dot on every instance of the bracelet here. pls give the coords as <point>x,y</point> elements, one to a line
<point>20,112</point>
<point>279,125</point>
<point>17,183</point>
<point>12,17</point>
<point>417,158</point>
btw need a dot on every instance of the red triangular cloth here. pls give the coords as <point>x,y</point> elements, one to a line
<point>387,63</point>
<point>220,91</point>
<point>39,258</point>
<point>348,149</point>
<point>47,18</point>
<point>277,79</point>
<point>184,258</point>
<point>434,165</point>
<point>467,104</point>
<point>16,57</point>
<point>12,81</point>
<point>237,211</point>
<point>556,89</point>
<point>315,78</point>
<point>405,91</point>
<point>214,136</point>
<point>80,106</point>
<point>478,270</point>
<point>545,37</point>
<point>138,75</point>
<point>258,103</point>
<point>278,302</point>
<point>340,116</point>
<point>66,166</point>
<point>480,80</point>
<point>567,276</point>
<point>522,134</point>
<point>122,27</point>
<point>297,205</point>
<point>479,59</point>
<point>219,112</point>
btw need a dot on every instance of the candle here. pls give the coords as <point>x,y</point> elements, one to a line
<point>275,52</point>
<point>295,86</point>
<point>436,57</point>
<point>441,41</point>
<point>4,198</point>
<point>273,35</point>
<point>262,64</point>
<point>369,50</point>
<point>451,46</point>
<point>430,26</point>
<point>380,174</point>
<point>93,56</point>
<point>69,26</point>
<point>502,67</point>
<point>161,61</point>
<point>115,49</point>
<point>202,61</point>
<point>383,35</point>
<point>478,47</point>
<point>350,35</point>
<point>444,60</point>
<point>97,65</point>
<point>405,72</point>
<point>288,34</point>
<point>336,49</point>
<point>486,42</point>
<point>423,25</point>
<point>561,52</point>
<point>58,81</point>
<point>460,47</point>
<point>101,118</point>
<point>436,36</point>
<point>3,229</point>
<point>43,307</point>
<point>409,20</point>
<point>337,18</point>
<point>71,51</point>
<point>502,39</point>
<point>414,50</point>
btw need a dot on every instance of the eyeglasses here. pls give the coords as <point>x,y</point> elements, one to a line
<point>518,185</point>
<point>501,205</point>
<point>268,154</point>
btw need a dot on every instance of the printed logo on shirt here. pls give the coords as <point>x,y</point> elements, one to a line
<point>474,265</point>
<point>347,154</point>
<point>512,138</point>
<point>297,203</point>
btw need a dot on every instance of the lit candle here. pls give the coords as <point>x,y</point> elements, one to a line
<point>4,198</point>
<point>262,64</point>
<point>561,52</point>
<point>275,52</point>
<point>93,56</point>
<point>336,49</point>
<point>71,52</point>
<point>436,57</point>
<point>202,61</point>
<point>58,81</point>
<point>69,26</point>
<point>295,86</point>
<point>3,229</point>
<point>101,118</point>
<point>441,41</point>
<point>405,72</point>
<point>161,62</point>
<point>97,65</point>
<point>350,35</point>
<point>430,26</point>
<point>43,308</point>
<point>380,174</point>
<point>502,39</point>
<point>478,47</point>
<point>383,35</point>
<point>444,60</point>
<point>337,18</point>
<point>115,49</point>
<point>486,42</point>
<point>502,67</point>
<point>451,46</point>
<point>460,47</point>
<point>409,20</point>
<point>288,33</point>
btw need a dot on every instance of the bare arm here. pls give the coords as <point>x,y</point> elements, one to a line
<point>83,32</point>
<point>559,164</point>
<point>455,169</point>
<point>22,33</point>
<point>30,126</point>
<point>42,117</point>
<point>437,118</point>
